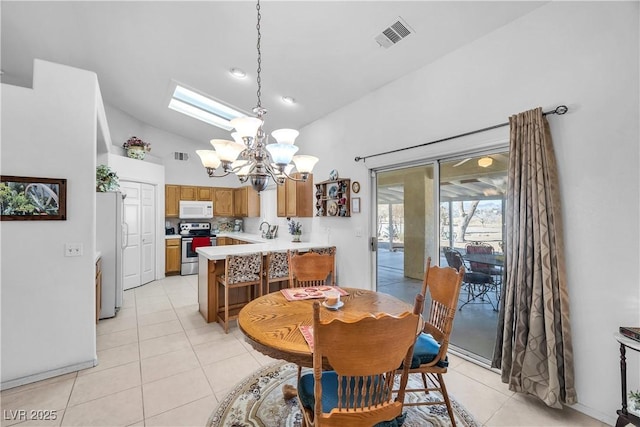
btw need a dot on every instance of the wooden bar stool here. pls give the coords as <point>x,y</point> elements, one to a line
<point>240,271</point>
<point>276,269</point>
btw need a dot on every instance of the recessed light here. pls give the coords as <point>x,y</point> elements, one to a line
<point>238,73</point>
<point>288,100</point>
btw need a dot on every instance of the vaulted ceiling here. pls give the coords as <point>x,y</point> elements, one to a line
<point>322,53</point>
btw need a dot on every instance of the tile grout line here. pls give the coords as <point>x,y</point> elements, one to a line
<point>135,304</point>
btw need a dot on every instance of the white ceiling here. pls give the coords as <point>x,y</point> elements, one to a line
<point>322,53</point>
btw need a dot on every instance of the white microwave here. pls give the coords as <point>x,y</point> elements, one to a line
<point>195,210</point>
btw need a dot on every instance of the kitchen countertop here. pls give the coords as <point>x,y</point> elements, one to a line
<point>254,238</point>
<point>259,245</point>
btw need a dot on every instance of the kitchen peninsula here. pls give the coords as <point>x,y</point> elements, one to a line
<point>211,263</point>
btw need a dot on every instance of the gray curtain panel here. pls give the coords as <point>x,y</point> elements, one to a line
<point>533,347</point>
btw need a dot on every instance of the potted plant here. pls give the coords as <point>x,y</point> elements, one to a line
<point>106,179</point>
<point>295,229</point>
<point>634,402</point>
<point>136,148</point>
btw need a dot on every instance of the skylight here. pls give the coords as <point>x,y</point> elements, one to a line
<point>200,107</point>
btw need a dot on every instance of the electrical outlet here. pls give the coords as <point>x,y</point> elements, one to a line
<point>358,232</point>
<point>73,249</point>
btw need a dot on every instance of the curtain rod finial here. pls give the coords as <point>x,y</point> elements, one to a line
<point>561,109</point>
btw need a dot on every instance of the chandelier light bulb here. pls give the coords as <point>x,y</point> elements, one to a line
<point>304,163</point>
<point>285,136</point>
<point>281,154</point>
<point>247,127</point>
<point>227,150</point>
<point>209,158</point>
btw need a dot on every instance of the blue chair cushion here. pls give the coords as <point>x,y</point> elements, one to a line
<point>425,350</point>
<point>330,394</point>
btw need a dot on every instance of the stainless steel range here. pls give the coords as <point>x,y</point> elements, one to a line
<point>189,231</point>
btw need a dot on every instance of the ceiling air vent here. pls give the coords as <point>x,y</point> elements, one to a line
<point>180,156</point>
<point>394,33</point>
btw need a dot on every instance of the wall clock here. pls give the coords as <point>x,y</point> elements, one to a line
<point>355,187</point>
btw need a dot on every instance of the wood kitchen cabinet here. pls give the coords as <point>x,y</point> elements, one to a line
<point>171,200</point>
<point>188,192</point>
<point>191,192</point>
<point>98,288</point>
<point>222,201</point>
<point>172,256</point>
<point>246,202</point>
<point>205,193</point>
<point>295,198</point>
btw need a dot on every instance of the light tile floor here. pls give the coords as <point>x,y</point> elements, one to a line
<point>160,364</point>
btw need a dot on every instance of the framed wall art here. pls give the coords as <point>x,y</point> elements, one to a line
<point>355,205</point>
<point>26,198</point>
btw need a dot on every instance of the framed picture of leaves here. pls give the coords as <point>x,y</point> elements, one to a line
<point>26,198</point>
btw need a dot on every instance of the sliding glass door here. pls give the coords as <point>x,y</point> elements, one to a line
<point>439,207</point>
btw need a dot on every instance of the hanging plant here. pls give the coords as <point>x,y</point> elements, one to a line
<point>106,179</point>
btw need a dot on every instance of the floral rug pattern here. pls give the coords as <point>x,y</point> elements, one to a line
<point>257,401</point>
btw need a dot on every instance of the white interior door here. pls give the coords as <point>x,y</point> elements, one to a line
<point>148,208</point>
<point>131,257</point>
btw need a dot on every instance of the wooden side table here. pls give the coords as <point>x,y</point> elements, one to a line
<point>624,417</point>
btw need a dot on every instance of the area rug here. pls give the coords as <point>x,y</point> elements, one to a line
<point>257,401</point>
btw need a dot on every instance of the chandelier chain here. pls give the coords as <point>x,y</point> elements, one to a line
<point>259,79</point>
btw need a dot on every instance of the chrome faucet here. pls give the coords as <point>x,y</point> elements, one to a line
<point>266,234</point>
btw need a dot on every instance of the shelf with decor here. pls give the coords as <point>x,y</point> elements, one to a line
<point>333,198</point>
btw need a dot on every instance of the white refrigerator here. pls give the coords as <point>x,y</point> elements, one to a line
<point>111,239</point>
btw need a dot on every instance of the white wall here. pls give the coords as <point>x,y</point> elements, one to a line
<point>48,300</point>
<point>163,145</point>
<point>582,54</point>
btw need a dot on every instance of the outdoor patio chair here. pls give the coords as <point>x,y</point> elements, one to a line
<point>476,285</point>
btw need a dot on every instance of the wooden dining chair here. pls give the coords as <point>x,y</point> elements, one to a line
<point>240,271</point>
<point>276,269</point>
<point>359,391</point>
<point>311,269</point>
<point>429,359</point>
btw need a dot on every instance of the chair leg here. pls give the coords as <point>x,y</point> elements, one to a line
<point>447,401</point>
<point>226,309</point>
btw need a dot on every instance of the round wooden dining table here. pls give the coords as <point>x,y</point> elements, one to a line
<point>271,323</point>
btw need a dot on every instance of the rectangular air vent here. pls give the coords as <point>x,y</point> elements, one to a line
<point>181,156</point>
<point>395,32</point>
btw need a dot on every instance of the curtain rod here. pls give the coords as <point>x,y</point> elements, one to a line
<point>559,110</point>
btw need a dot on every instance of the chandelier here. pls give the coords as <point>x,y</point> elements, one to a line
<point>250,155</point>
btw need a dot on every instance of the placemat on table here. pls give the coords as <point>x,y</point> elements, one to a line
<point>307,333</point>
<point>299,294</point>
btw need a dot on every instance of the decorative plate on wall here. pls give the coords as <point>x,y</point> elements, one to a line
<point>332,191</point>
<point>333,175</point>
<point>355,187</point>
<point>333,209</point>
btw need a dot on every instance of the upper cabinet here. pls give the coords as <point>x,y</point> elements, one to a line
<point>246,202</point>
<point>171,200</point>
<point>223,201</point>
<point>189,192</point>
<point>205,193</point>
<point>295,198</point>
